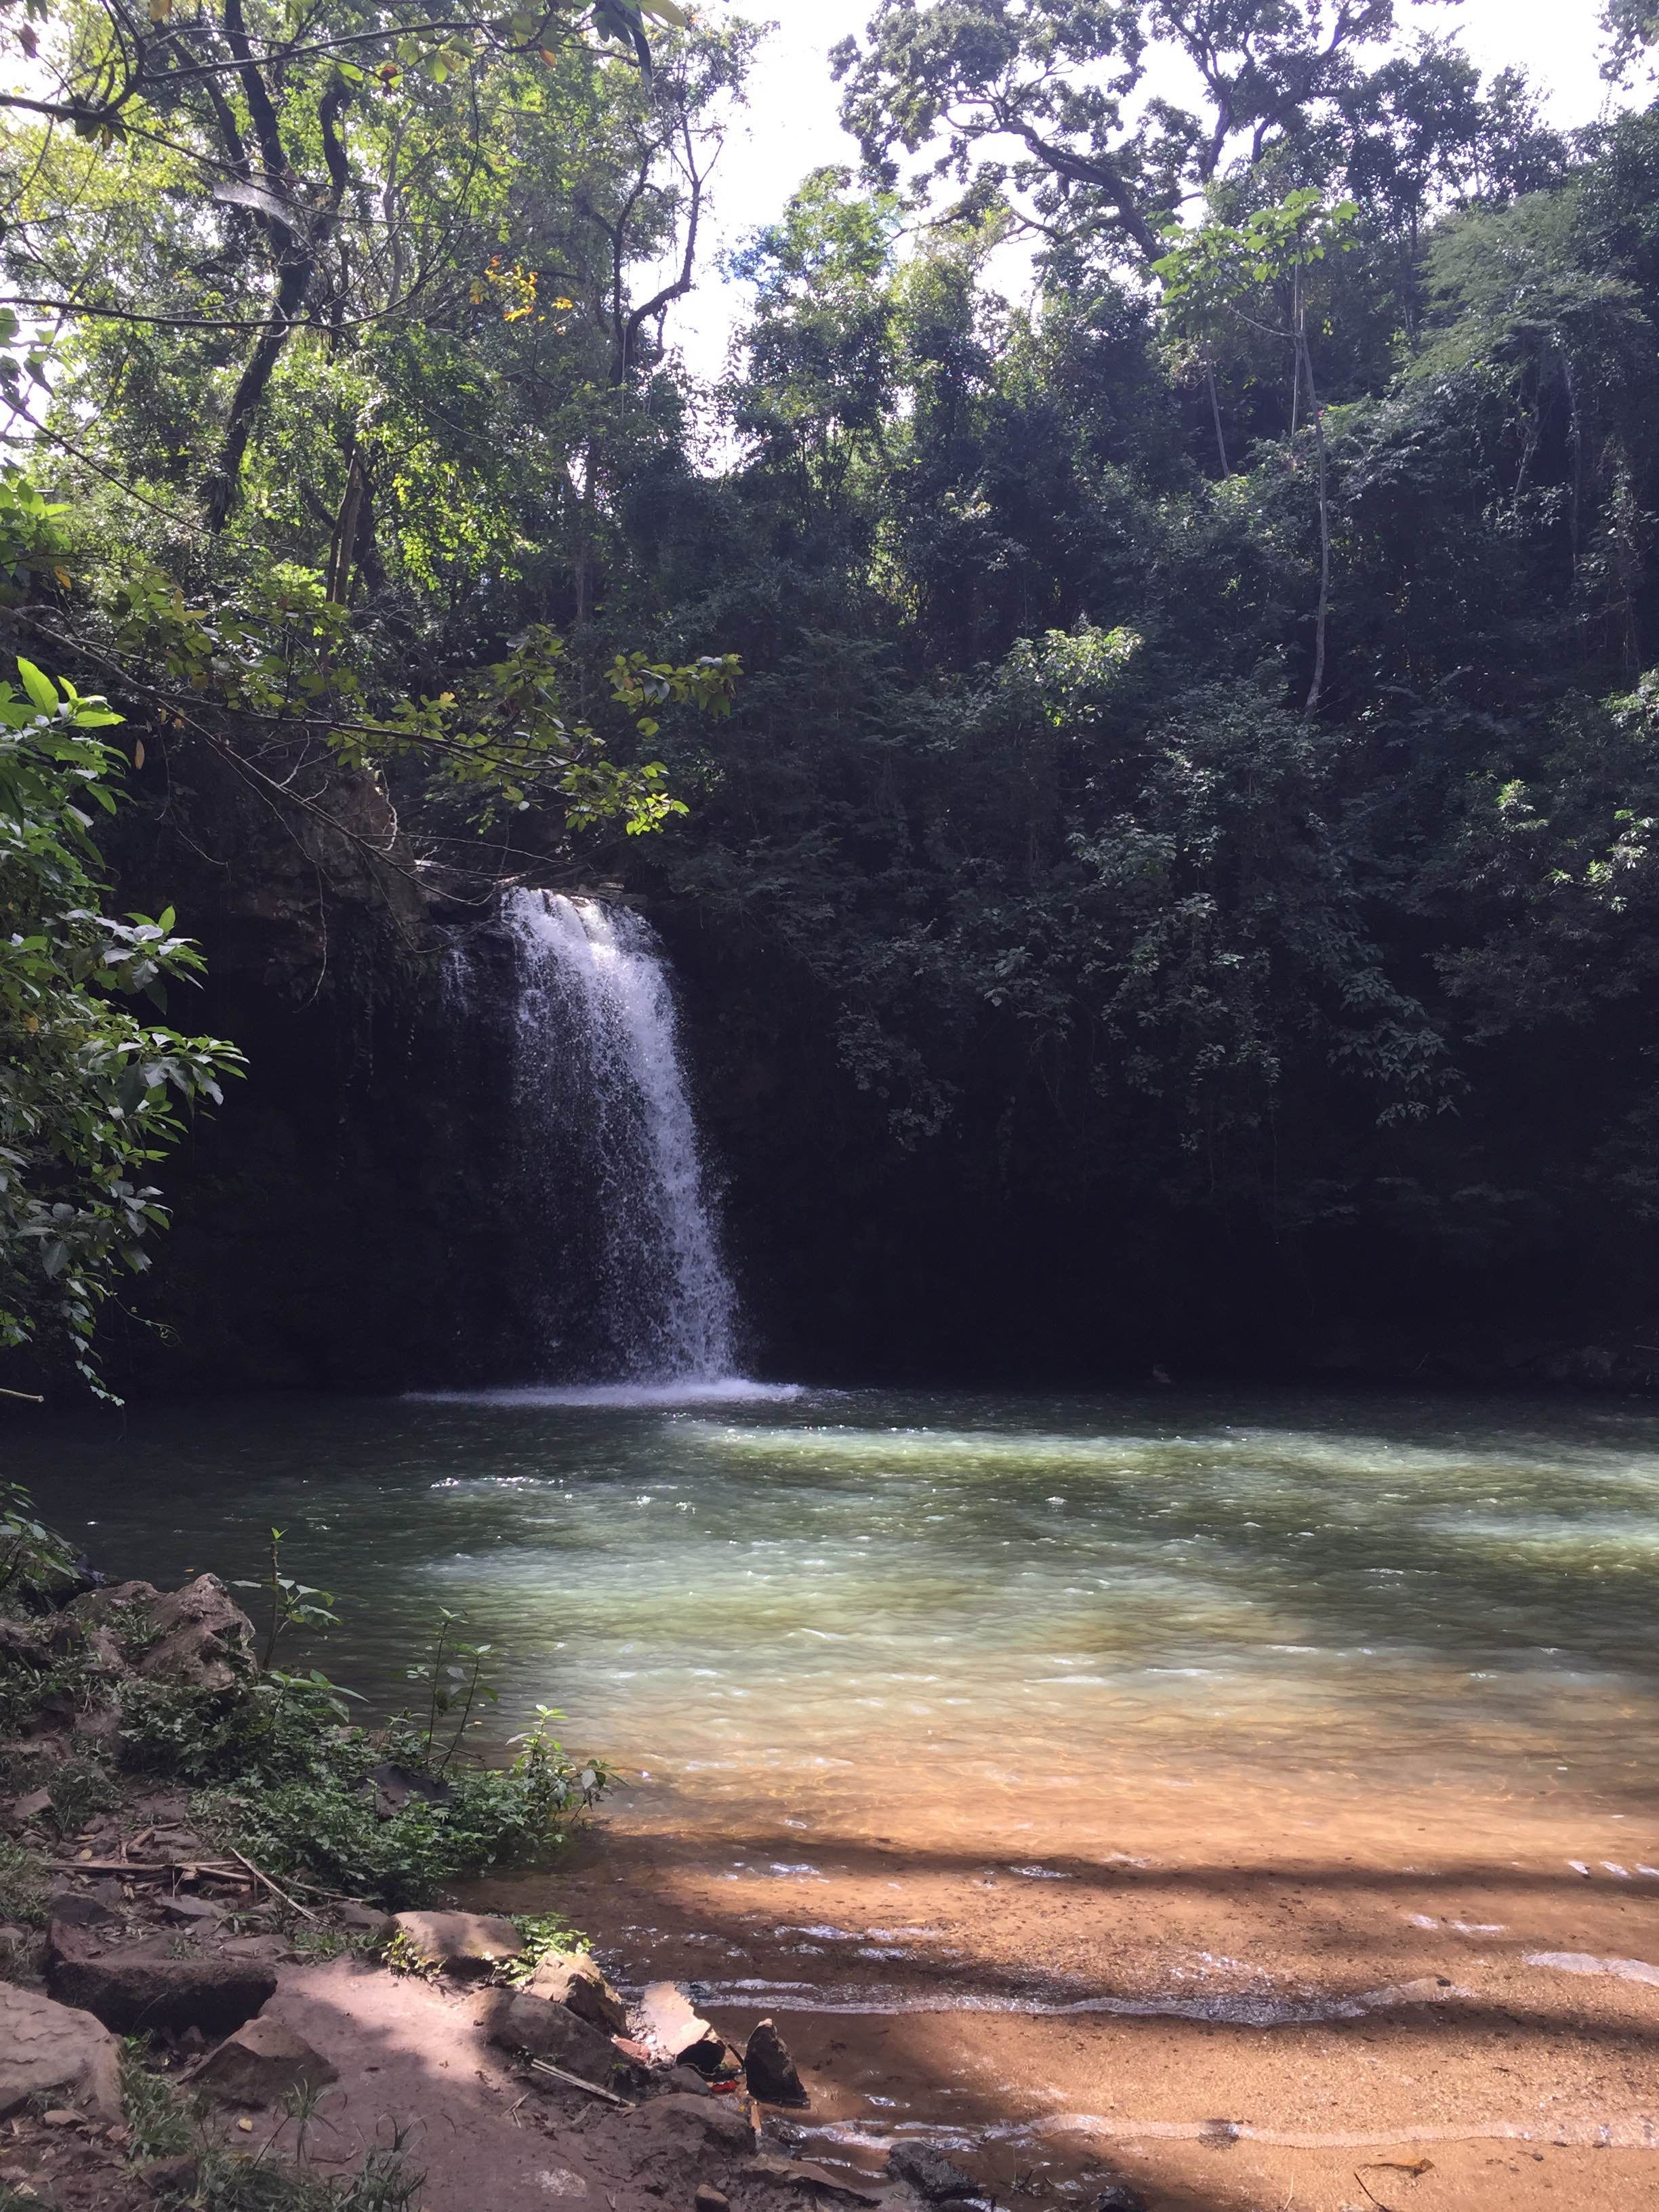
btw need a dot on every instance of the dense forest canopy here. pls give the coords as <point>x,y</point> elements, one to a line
<point>1152,785</point>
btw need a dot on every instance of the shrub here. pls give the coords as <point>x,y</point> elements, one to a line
<point>23,1885</point>
<point>78,1787</point>
<point>327,1823</point>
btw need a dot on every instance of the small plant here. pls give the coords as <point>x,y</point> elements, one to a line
<point>23,1885</point>
<point>167,2124</point>
<point>33,1561</point>
<point>79,1788</point>
<point>293,1604</point>
<point>456,1682</point>
<point>322,1943</point>
<point>401,1956</point>
<point>540,1934</point>
<point>162,2123</point>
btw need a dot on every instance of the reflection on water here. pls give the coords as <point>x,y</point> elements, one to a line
<point>822,1593</point>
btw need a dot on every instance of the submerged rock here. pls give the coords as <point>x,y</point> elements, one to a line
<point>49,2050</point>
<point>468,1945</point>
<point>930,2174</point>
<point>1118,2197</point>
<point>805,2180</point>
<point>770,2071</point>
<point>261,2064</point>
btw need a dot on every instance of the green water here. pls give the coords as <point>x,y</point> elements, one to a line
<point>826,1593</point>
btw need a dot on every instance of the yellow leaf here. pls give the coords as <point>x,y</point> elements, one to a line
<point>160,10</point>
<point>138,754</point>
<point>63,576</point>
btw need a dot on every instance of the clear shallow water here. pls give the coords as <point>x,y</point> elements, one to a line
<point>859,1599</point>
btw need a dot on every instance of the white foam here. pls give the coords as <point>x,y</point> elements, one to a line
<point>681,1390</point>
<point>1585,1962</point>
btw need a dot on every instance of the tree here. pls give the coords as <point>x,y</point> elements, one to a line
<point>92,1095</point>
<point>1055,82</point>
<point>1213,273</point>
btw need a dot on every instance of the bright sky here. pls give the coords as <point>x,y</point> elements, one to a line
<point>791,126</point>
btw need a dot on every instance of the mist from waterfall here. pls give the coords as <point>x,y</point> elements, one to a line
<point>601,1094</point>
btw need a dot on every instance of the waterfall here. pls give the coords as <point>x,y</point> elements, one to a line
<point>602,1094</point>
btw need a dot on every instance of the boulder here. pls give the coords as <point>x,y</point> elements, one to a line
<point>770,2071</point>
<point>360,1919</point>
<point>191,1911</point>
<point>99,1604</point>
<point>206,1603</point>
<point>50,2050</point>
<point>1118,2197</point>
<point>27,1642</point>
<point>677,2141</point>
<point>204,1639</point>
<point>571,1979</point>
<point>523,2022</point>
<point>22,1810</point>
<point>710,2199</point>
<point>101,1728</point>
<point>468,1945</point>
<point>930,2174</point>
<point>666,2022</point>
<point>394,1787</point>
<point>141,1988</point>
<point>261,2064</point>
<point>80,1908</point>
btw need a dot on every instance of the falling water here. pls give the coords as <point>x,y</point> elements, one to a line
<point>598,1067</point>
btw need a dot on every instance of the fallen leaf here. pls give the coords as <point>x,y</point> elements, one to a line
<point>246,2126</point>
<point>1414,2165</point>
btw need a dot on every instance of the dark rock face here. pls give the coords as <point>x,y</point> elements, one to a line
<point>135,1989</point>
<point>770,2071</point>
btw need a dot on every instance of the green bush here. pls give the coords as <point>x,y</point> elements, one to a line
<point>325,1823</point>
<point>23,1885</point>
<point>78,1787</point>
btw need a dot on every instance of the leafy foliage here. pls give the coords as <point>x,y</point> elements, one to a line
<point>91,1096</point>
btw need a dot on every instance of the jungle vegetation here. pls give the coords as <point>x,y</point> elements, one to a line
<point>1173,732</point>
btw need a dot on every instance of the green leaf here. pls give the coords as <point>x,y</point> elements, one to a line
<point>41,688</point>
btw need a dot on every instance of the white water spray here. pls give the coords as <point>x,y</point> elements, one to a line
<point>594,990</point>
